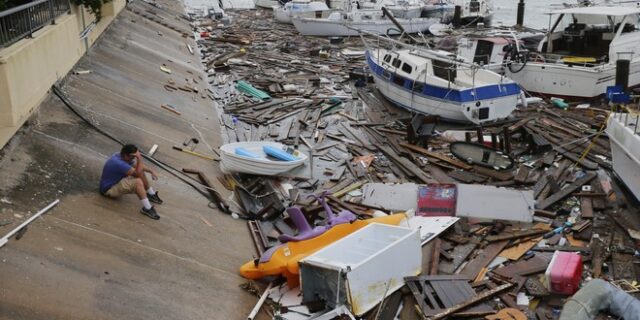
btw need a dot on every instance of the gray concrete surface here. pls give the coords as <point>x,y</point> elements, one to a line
<point>96,258</point>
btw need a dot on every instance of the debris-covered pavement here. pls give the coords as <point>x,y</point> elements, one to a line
<point>541,214</point>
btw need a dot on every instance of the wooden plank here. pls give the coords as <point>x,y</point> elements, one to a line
<point>467,177</point>
<point>435,155</point>
<point>389,309</point>
<point>439,277</point>
<point>505,297</point>
<point>522,234</point>
<point>440,175</point>
<point>502,175</point>
<point>435,257</point>
<point>523,173</point>
<point>479,298</point>
<point>523,267</point>
<point>406,164</point>
<point>348,189</point>
<point>460,254</point>
<point>347,131</point>
<point>483,258</point>
<point>586,207</point>
<point>447,294</point>
<point>597,252</point>
<point>514,253</point>
<point>540,184</point>
<point>566,191</point>
<point>408,312</point>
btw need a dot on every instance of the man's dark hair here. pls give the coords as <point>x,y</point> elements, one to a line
<point>128,149</point>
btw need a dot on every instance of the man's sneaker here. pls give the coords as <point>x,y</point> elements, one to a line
<point>151,213</point>
<point>154,198</point>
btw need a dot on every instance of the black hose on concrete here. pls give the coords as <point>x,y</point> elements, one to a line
<point>168,168</point>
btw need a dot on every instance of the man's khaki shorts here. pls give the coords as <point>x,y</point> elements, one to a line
<point>125,186</point>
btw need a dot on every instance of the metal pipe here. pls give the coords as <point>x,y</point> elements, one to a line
<point>622,73</point>
<point>5,239</point>
<point>457,14</point>
<point>263,297</point>
<point>520,17</point>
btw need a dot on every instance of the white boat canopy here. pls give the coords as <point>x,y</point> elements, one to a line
<point>599,11</point>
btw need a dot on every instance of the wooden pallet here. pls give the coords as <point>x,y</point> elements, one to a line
<point>435,294</point>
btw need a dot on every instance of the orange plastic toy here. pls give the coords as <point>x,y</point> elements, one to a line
<point>284,260</point>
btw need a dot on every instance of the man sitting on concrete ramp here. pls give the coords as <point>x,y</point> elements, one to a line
<point>124,173</point>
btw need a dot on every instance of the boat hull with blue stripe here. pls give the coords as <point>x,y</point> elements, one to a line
<point>428,83</point>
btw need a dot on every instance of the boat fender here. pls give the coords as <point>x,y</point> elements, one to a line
<point>278,154</point>
<point>246,153</point>
<point>523,100</point>
<point>559,103</point>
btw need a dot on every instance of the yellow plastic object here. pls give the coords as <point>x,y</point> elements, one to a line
<point>284,260</point>
<point>579,60</point>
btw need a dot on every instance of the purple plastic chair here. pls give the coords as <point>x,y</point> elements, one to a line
<point>304,229</point>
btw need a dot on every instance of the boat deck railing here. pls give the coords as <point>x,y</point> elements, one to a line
<point>629,120</point>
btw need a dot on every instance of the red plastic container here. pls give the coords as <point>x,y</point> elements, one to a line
<point>564,273</point>
<point>437,200</point>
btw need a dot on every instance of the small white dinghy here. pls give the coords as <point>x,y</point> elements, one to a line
<point>259,157</point>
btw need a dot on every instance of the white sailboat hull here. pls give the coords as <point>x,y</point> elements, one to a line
<point>329,28</point>
<point>625,149</point>
<point>450,111</point>
<point>576,81</point>
<point>500,105</point>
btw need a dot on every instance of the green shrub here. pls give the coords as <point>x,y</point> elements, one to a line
<point>95,6</point>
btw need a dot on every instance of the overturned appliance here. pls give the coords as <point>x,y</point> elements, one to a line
<point>361,269</point>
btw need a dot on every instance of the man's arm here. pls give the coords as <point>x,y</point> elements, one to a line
<point>153,173</point>
<point>139,169</point>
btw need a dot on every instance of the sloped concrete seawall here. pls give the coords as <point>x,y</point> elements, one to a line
<point>96,258</point>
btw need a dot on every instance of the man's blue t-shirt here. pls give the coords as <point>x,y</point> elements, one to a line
<point>115,169</point>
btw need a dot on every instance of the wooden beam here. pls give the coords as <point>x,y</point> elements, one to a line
<point>566,191</point>
<point>436,155</point>
<point>527,233</point>
<point>481,297</point>
<point>435,257</point>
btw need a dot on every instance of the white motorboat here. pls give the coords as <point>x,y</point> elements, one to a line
<point>268,4</point>
<point>442,9</point>
<point>406,9</point>
<point>495,49</point>
<point>623,132</point>
<point>304,8</point>
<point>348,22</point>
<point>252,157</point>
<point>439,83</point>
<point>475,11</point>
<point>578,55</point>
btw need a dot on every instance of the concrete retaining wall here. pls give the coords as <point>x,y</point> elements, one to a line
<point>31,66</point>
